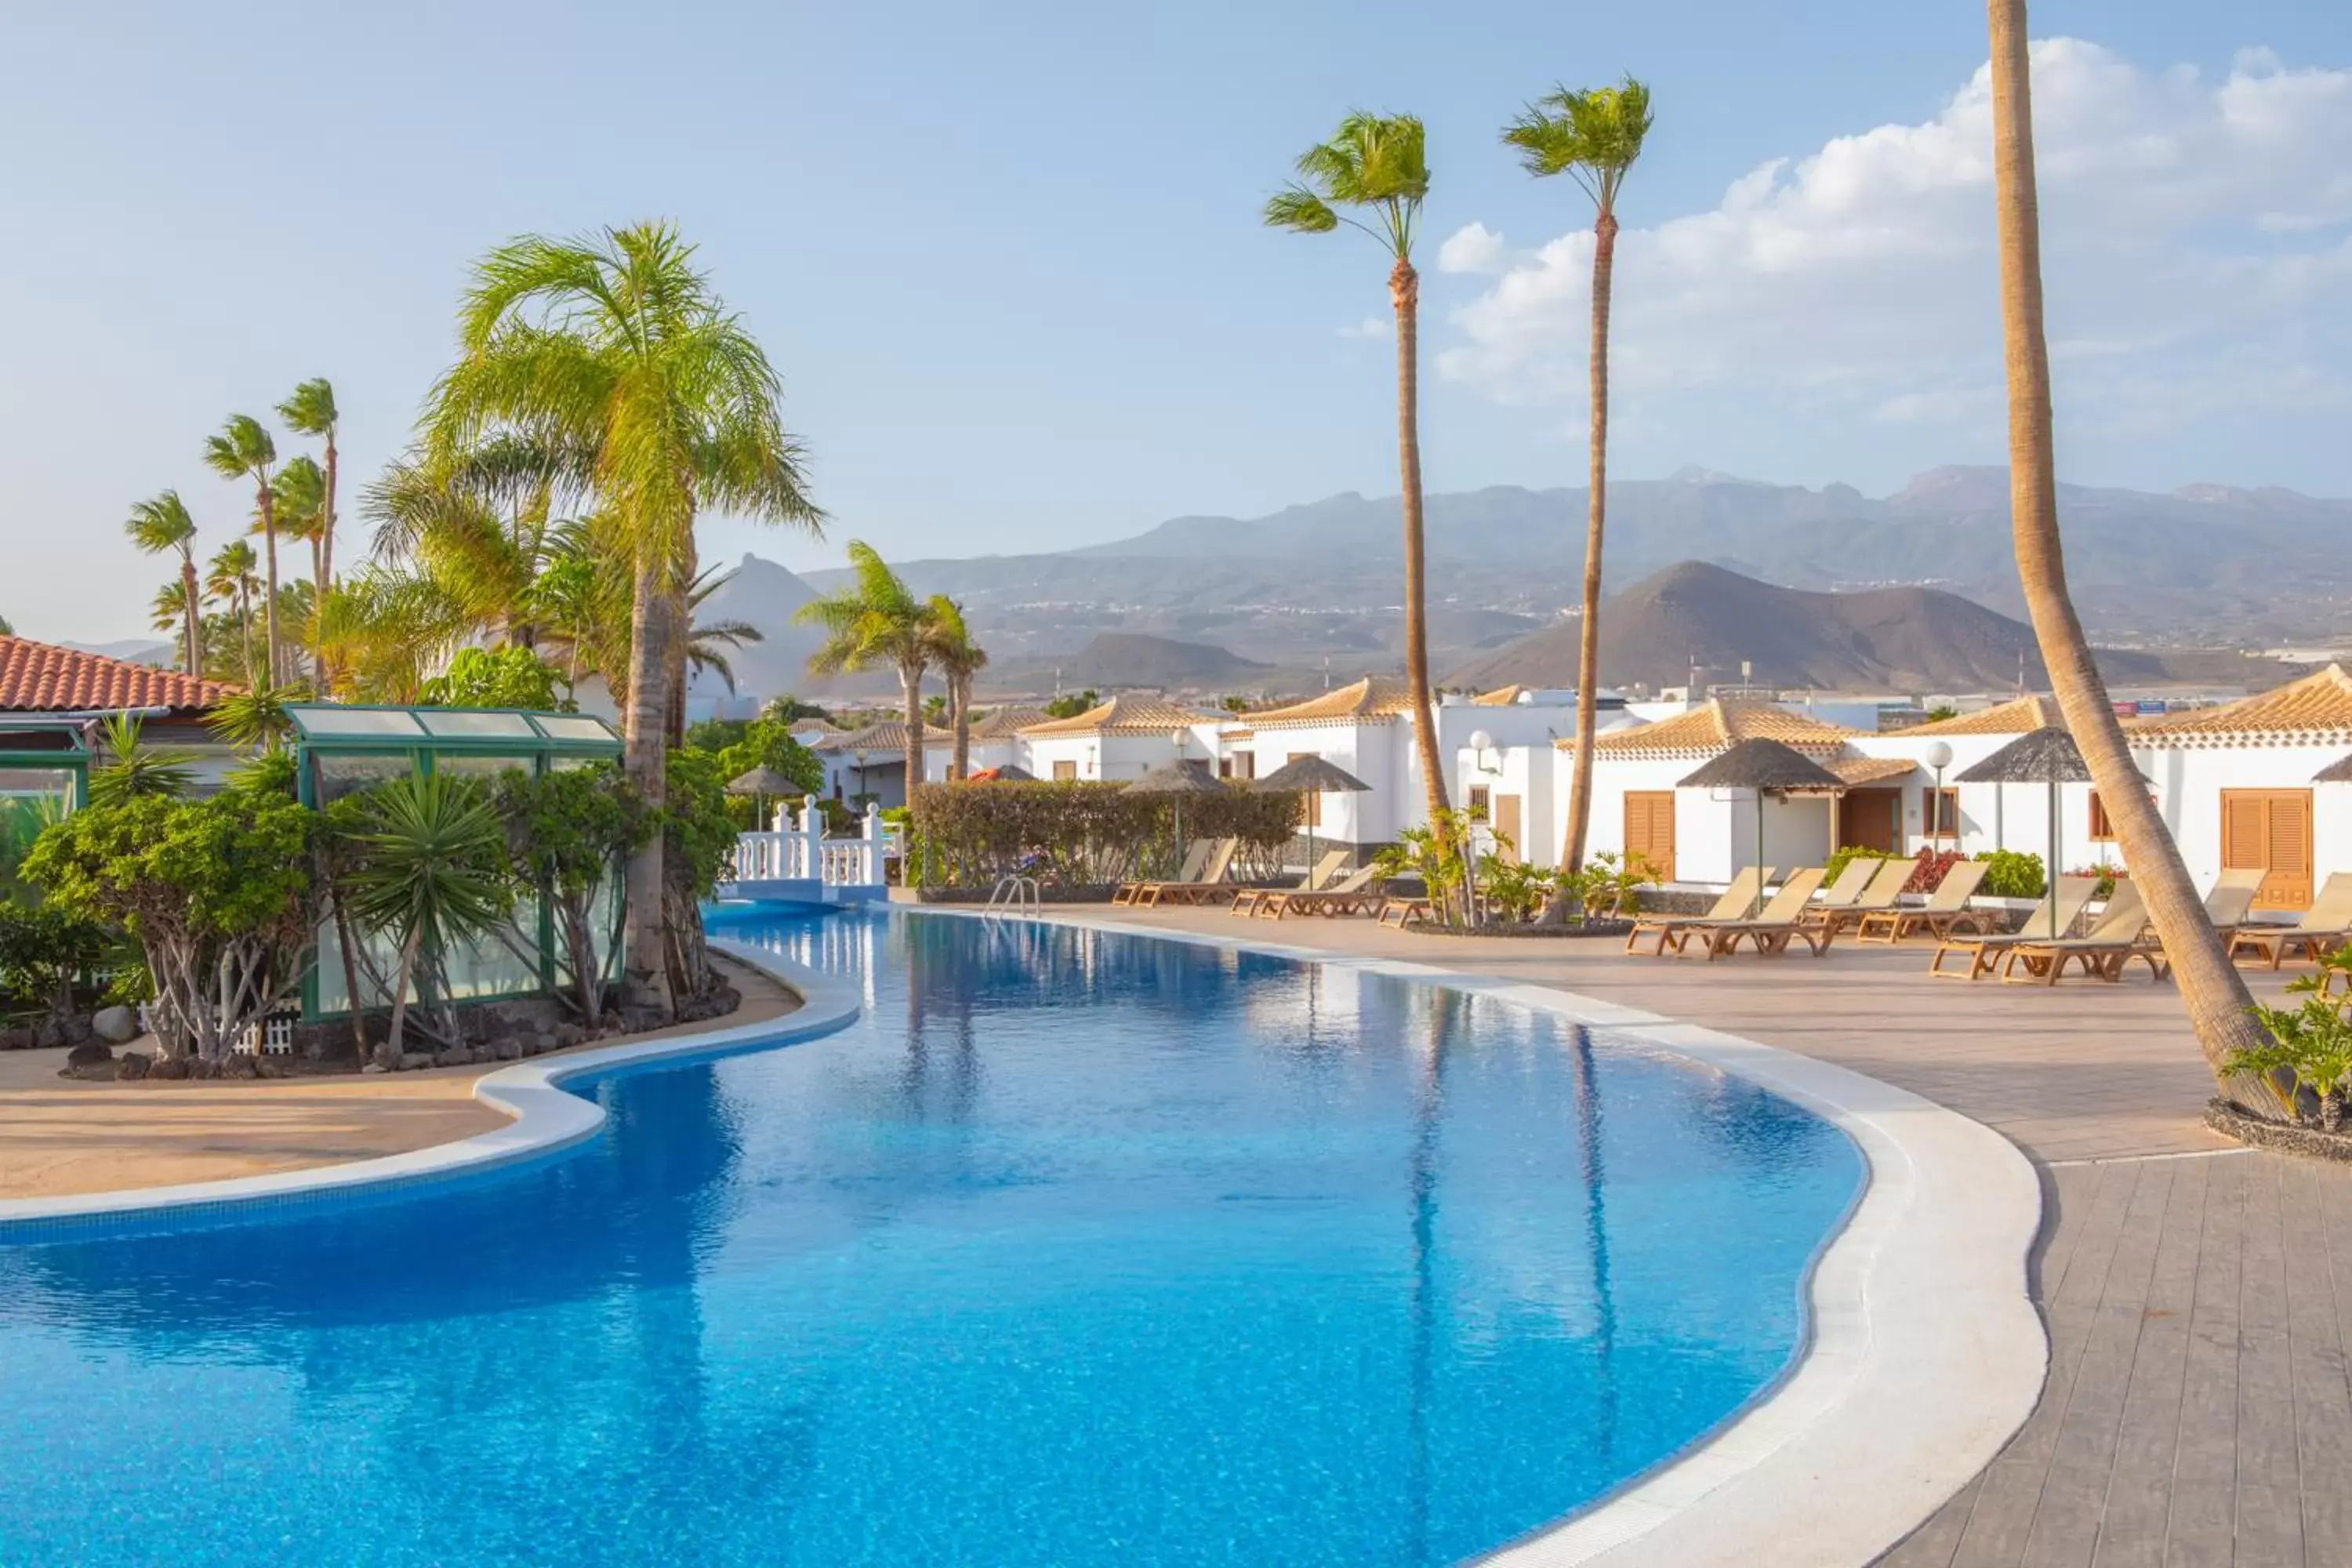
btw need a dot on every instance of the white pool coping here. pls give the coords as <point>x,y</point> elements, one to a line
<point>1926,1353</point>
<point>547,1118</point>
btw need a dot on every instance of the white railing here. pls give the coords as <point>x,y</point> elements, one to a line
<point>803,853</point>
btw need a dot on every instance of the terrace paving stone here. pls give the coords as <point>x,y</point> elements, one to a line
<point>2199,1295</point>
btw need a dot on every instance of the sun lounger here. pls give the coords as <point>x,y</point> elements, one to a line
<point>2112,942</point>
<point>1737,902</point>
<point>1357,893</point>
<point>1209,888</point>
<point>1884,891</point>
<point>1196,860</point>
<point>1774,927</point>
<point>2327,924</point>
<point>2227,903</point>
<point>1850,880</point>
<point>1401,912</point>
<point>1248,901</point>
<point>1984,950</point>
<point>1945,910</point>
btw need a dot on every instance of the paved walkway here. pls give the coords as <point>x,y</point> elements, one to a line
<point>2199,1295</point>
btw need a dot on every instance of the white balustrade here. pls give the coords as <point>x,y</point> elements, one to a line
<point>803,853</point>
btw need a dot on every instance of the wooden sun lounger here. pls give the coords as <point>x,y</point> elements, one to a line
<point>1945,910</point>
<point>1771,931</point>
<point>1248,901</point>
<point>1737,902</point>
<point>1985,950</point>
<point>1885,889</point>
<point>1354,894</point>
<point>2227,904</point>
<point>1210,888</point>
<point>2327,925</point>
<point>1196,860</point>
<point>2114,941</point>
<point>1401,912</point>
<point>1847,890</point>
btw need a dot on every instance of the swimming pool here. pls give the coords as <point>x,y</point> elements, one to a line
<point>1075,1248</point>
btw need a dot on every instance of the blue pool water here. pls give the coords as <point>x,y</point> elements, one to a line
<point>1075,1248</point>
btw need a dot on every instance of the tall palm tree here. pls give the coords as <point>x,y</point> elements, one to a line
<point>299,499</point>
<point>959,659</point>
<point>613,345</point>
<point>1593,135</point>
<point>244,450</point>
<point>2220,1007</point>
<point>162,525</point>
<point>877,623</point>
<point>1377,165</point>
<point>230,581</point>
<point>311,410</point>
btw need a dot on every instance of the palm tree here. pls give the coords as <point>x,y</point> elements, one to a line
<point>1377,165</point>
<point>164,524</point>
<point>959,659</point>
<point>2220,1007</point>
<point>615,346</point>
<point>1593,135</point>
<point>229,580</point>
<point>310,411</point>
<point>877,623</point>
<point>244,450</point>
<point>133,769</point>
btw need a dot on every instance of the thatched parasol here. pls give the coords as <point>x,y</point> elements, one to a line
<point>2049,757</point>
<point>1768,767</point>
<point>1310,774</point>
<point>1012,773</point>
<point>1178,778</point>
<point>2337,771</point>
<point>761,783</point>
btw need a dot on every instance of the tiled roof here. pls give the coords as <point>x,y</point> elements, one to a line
<point>891,735</point>
<point>2314,710</point>
<point>1501,697</point>
<point>1126,714</point>
<point>2018,716</point>
<point>1375,699</point>
<point>41,678</point>
<point>1861,770</point>
<point>1003,723</point>
<point>1718,727</point>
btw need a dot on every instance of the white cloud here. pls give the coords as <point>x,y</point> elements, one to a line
<point>2196,253</point>
<point>1369,327</point>
<point>1472,249</point>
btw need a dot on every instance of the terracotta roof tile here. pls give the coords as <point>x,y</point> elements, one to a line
<point>41,678</point>
<point>1004,723</point>
<point>2018,716</point>
<point>1501,697</point>
<point>2314,710</point>
<point>1375,699</point>
<point>1861,770</point>
<point>1126,714</point>
<point>1718,727</point>
<point>891,735</point>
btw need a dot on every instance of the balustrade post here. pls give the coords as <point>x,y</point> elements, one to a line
<point>804,846</point>
<point>872,859</point>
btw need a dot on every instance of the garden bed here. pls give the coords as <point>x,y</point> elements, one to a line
<point>2234,1121</point>
<point>1537,932</point>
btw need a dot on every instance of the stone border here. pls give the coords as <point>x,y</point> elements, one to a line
<point>1925,1353</point>
<point>2280,1137</point>
<point>547,1120</point>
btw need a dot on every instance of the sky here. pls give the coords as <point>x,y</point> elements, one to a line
<point>1009,263</point>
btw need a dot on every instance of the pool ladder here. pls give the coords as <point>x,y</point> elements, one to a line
<point>1015,894</point>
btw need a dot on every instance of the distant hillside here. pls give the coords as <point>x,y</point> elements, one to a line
<point>765,596</point>
<point>1113,660</point>
<point>132,650</point>
<point>1901,639</point>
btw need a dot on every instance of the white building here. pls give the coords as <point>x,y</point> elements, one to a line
<point>995,743</point>
<point>1124,738</point>
<point>871,762</point>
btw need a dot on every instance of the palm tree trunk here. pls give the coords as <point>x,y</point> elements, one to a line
<point>195,636</point>
<point>1588,662</point>
<point>960,690</point>
<point>2220,1007</point>
<point>911,678</point>
<point>645,964</point>
<point>270,606</point>
<point>326,567</point>
<point>1404,293</point>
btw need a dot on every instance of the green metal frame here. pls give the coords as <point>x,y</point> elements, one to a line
<point>539,750</point>
<point>71,758</point>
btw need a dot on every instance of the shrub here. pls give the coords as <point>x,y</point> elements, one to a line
<point>1085,833</point>
<point>568,832</point>
<point>512,676</point>
<point>2012,874</point>
<point>1928,871</point>
<point>2310,1048</point>
<point>2107,872</point>
<point>43,949</point>
<point>1841,859</point>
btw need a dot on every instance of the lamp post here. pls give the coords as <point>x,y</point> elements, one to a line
<point>1939,757</point>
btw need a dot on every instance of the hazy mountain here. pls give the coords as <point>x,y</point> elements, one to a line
<point>1897,639</point>
<point>131,650</point>
<point>764,595</point>
<point>1112,660</point>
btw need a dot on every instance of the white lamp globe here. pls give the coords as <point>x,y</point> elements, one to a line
<point>1480,741</point>
<point>1940,755</point>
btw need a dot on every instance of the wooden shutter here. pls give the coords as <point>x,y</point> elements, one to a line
<point>2270,830</point>
<point>1650,827</point>
<point>1507,824</point>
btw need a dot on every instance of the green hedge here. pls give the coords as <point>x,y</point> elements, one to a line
<point>1086,834</point>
